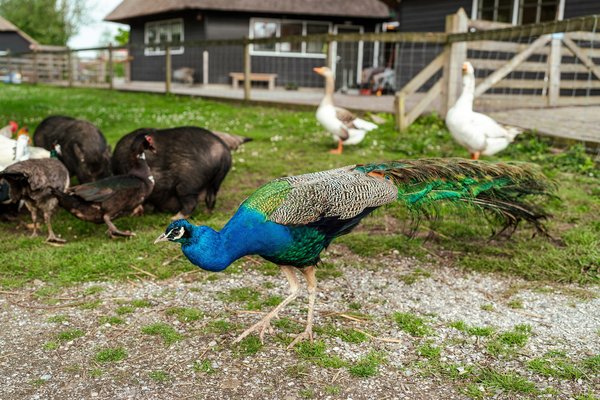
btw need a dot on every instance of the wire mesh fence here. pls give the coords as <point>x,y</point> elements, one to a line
<point>549,64</point>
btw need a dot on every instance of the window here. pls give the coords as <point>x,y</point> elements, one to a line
<point>533,11</point>
<point>273,28</point>
<point>160,32</point>
<point>517,11</point>
<point>291,29</point>
<point>314,29</point>
<point>264,29</point>
<point>496,10</point>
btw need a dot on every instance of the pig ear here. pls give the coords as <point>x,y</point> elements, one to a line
<point>78,152</point>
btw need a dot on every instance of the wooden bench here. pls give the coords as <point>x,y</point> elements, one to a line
<point>236,77</point>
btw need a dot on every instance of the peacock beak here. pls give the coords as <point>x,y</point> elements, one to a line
<point>161,238</point>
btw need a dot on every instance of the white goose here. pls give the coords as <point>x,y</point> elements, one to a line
<point>477,132</point>
<point>344,126</point>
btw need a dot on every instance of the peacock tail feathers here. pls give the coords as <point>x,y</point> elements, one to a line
<point>506,189</point>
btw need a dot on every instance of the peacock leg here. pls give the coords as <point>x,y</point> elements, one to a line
<point>113,231</point>
<point>265,323</point>
<point>311,281</point>
<point>52,238</point>
<point>34,217</point>
<point>339,149</point>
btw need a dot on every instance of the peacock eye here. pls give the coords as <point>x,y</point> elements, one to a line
<point>176,233</point>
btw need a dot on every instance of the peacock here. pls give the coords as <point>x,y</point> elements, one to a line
<point>290,220</point>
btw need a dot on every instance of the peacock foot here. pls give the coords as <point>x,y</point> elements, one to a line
<point>117,233</point>
<point>306,335</point>
<point>262,326</point>
<point>56,240</point>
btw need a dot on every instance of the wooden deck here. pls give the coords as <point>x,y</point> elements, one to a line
<point>580,123</point>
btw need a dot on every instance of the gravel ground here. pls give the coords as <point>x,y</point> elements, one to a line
<point>36,364</point>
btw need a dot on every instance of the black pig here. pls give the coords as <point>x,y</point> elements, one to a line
<point>83,146</point>
<point>189,162</point>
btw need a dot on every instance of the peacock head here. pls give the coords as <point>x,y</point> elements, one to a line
<point>179,231</point>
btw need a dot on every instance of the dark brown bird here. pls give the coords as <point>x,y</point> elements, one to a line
<point>109,198</point>
<point>33,182</point>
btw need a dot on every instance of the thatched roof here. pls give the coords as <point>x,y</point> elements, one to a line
<point>129,9</point>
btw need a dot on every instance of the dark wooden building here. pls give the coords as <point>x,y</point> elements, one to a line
<point>156,22</point>
<point>13,40</point>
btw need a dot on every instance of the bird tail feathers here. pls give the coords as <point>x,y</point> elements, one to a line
<point>513,131</point>
<point>507,190</point>
<point>365,125</point>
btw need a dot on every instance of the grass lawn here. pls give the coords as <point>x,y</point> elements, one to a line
<point>287,142</point>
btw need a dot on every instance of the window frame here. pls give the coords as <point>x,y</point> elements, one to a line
<point>278,52</point>
<point>517,10</point>
<point>149,50</point>
<point>538,10</point>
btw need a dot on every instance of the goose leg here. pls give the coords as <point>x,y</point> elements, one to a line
<point>339,149</point>
<point>265,323</point>
<point>113,231</point>
<point>311,281</point>
<point>475,156</point>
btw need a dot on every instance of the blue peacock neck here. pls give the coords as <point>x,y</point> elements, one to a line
<point>247,232</point>
<point>210,250</point>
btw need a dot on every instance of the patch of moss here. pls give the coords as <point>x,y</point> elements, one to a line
<point>165,331</point>
<point>412,324</point>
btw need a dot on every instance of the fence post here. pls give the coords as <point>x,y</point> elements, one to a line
<point>9,62</point>
<point>168,70</point>
<point>70,67</point>
<point>205,67</point>
<point>35,66</point>
<point>400,108</point>
<point>110,66</point>
<point>457,55</point>
<point>247,69</point>
<point>554,69</point>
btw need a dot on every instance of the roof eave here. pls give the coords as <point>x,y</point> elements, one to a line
<point>129,18</point>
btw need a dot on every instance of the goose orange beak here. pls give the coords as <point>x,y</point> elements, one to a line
<point>318,70</point>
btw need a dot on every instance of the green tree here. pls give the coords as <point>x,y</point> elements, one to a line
<point>47,21</point>
<point>122,37</point>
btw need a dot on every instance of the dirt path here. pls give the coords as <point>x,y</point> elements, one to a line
<point>51,344</point>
